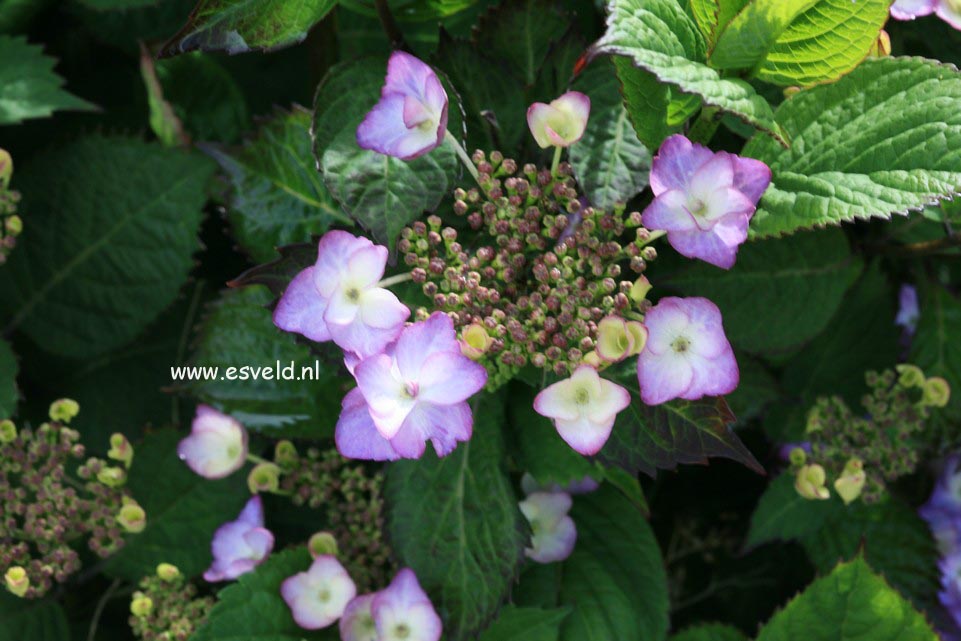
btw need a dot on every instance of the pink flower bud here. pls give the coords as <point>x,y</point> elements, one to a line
<point>217,445</point>
<point>560,123</point>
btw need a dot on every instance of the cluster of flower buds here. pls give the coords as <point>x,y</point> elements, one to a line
<point>10,223</point>
<point>545,270</point>
<point>43,510</point>
<point>865,453</point>
<point>353,504</point>
<point>166,606</point>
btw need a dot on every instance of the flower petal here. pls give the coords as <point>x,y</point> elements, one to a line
<point>404,603</point>
<point>418,341</point>
<point>949,14</point>
<point>381,309</point>
<point>356,435</point>
<point>444,425</point>
<point>675,164</point>
<point>751,177</point>
<point>911,9</point>
<point>713,376</point>
<point>556,402</point>
<point>362,339</point>
<point>333,253</point>
<point>584,435</point>
<point>663,377</point>
<point>388,401</point>
<point>301,308</point>
<point>447,378</point>
<point>253,512</point>
<point>357,622</point>
<point>383,130</point>
<point>669,212</point>
<point>539,116</point>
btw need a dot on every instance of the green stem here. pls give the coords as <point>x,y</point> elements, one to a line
<point>101,604</point>
<point>393,280</point>
<point>654,236</point>
<point>253,458</point>
<point>452,139</point>
<point>706,124</point>
<point>557,160</point>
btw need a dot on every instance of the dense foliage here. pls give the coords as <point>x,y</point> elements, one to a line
<point>541,320</point>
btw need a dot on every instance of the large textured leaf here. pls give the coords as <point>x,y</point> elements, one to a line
<point>114,229</point>
<point>648,438</point>
<point>660,37</point>
<point>800,42</point>
<point>850,604</point>
<point>183,510</point>
<point>901,151</point>
<point>713,15</point>
<point>40,620</point>
<point>784,515</point>
<point>455,521</point>
<point>610,163</point>
<point>29,88</point>
<point>253,610</point>
<point>615,580</point>
<point>8,380</point>
<point>522,31</point>
<point>656,109</point>
<point>526,624</point>
<point>381,193</point>
<point>936,347</point>
<point>236,26</point>
<point>781,293</point>
<point>278,196</point>
<point>238,332</point>
<point>710,632</point>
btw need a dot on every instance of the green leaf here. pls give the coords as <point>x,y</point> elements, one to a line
<point>901,151</point>
<point>183,511</point>
<point>278,196</point>
<point>9,394</point>
<point>238,332</point>
<point>32,620</point>
<point>381,193</point>
<point>615,579</point>
<point>936,348</point>
<point>610,163</point>
<point>800,42</point>
<point>648,438</point>
<point>781,293</point>
<point>29,88</point>
<point>253,610</point>
<point>526,624</point>
<point>236,26</point>
<point>710,632</point>
<point>851,603</point>
<point>661,38</point>
<point>456,522</point>
<point>713,15</point>
<point>784,515</point>
<point>115,229</point>
<point>756,389</point>
<point>521,32</point>
<point>657,110</point>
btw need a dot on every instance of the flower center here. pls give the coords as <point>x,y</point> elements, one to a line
<point>352,294</point>
<point>582,396</point>
<point>411,389</point>
<point>681,344</point>
<point>402,631</point>
<point>324,595</point>
<point>697,207</point>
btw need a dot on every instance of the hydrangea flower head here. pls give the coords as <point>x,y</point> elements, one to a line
<point>687,354</point>
<point>560,123</point>
<point>553,532</point>
<point>338,298</point>
<point>704,200</point>
<point>240,546</point>
<point>403,612</point>
<point>318,597</point>
<point>217,445</point>
<point>414,392</point>
<point>411,117</point>
<point>947,10</point>
<point>583,408</point>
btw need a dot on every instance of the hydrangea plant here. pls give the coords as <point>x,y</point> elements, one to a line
<point>451,320</point>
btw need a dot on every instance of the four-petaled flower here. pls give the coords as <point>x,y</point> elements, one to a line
<point>411,117</point>
<point>318,597</point>
<point>403,612</point>
<point>553,532</point>
<point>217,445</point>
<point>687,354</point>
<point>947,10</point>
<point>704,200</point>
<point>583,408</point>
<point>560,123</point>
<point>414,392</point>
<point>240,546</point>
<point>338,298</point>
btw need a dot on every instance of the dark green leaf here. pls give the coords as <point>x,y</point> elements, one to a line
<point>936,348</point>
<point>183,511</point>
<point>656,109</point>
<point>9,394</point>
<point>710,632</point>
<point>114,228</point>
<point>40,620</point>
<point>520,32</point>
<point>784,515</point>
<point>455,521</point>
<point>526,624</point>
<point>756,389</point>
<point>278,196</point>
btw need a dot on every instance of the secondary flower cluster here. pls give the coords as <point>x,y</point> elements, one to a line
<point>44,511</point>
<point>943,514</point>
<point>864,453</point>
<point>10,224</point>
<point>166,606</point>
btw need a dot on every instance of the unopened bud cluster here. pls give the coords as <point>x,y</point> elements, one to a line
<point>352,500</point>
<point>10,223</point>
<point>862,453</point>
<point>540,271</point>
<point>43,511</point>
<point>166,607</point>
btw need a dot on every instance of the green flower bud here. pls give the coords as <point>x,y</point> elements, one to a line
<point>141,605</point>
<point>475,341</point>
<point>909,375</point>
<point>132,517</point>
<point>16,577</point>
<point>322,543</point>
<point>809,483</point>
<point>798,457</point>
<point>112,476</point>
<point>265,477</point>
<point>121,449</point>
<point>167,572</point>
<point>285,454</point>
<point>8,431</point>
<point>640,289</point>
<point>64,409</point>
<point>6,168</point>
<point>851,482</point>
<point>13,225</point>
<point>936,392</point>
